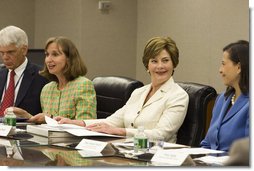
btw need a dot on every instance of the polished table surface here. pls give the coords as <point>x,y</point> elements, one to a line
<point>19,151</point>
<point>39,157</point>
<point>33,155</point>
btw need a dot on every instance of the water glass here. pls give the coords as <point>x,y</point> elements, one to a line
<point>156,144</point>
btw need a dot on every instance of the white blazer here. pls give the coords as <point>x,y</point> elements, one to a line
<point>162,115</point>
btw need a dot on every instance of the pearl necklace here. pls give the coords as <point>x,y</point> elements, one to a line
<point>233,99</point>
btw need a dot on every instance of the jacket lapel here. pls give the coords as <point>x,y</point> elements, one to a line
<point>157,96</point>
<point>143,97</point>
<point>3,77</point>
<point>240,102</point>
<point>29,74</point>
<point>160,92</point>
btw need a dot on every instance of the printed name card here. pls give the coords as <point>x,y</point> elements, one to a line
<point>169,158</point>
<point>6,130</point>
<point>92,145</point>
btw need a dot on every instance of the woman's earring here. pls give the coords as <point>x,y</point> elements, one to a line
<point>148,71</point>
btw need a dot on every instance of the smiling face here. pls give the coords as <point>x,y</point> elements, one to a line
<point>230,72</point>
<point>160,68</point>
<point>55,59</point>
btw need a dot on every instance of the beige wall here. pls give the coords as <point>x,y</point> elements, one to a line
<point>19,13</point>
<point>57,18</point>
<point>107,40</point>
<point>201,28</point>
<point>112,42</point>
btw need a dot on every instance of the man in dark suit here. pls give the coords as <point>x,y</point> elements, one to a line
<point>27,81</point>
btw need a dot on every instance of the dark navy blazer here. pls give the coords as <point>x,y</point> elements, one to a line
<point>226,127</point>
<point>28,97</point>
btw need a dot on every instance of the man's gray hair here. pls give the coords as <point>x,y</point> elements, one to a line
<point>13,35</point>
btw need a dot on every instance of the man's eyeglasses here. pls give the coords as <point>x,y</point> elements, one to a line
<point>8,53</point>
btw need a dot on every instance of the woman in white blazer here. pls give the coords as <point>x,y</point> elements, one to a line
<point>160,106</point>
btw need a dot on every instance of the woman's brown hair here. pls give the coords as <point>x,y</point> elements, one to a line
<point>75,66</point>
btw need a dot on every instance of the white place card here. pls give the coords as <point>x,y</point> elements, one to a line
<point>169,158</point>
<point>6,130</point>
<point>92,145</point>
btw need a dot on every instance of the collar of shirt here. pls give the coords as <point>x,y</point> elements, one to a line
<point>19,71</point>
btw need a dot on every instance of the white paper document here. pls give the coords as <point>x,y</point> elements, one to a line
<point>124,144</point>
<point>53,123</point>
<point>167,145</point>
<point>83,132</point>
<point>50,121</point>
<point>197,151</point>
<point>75,129</point>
